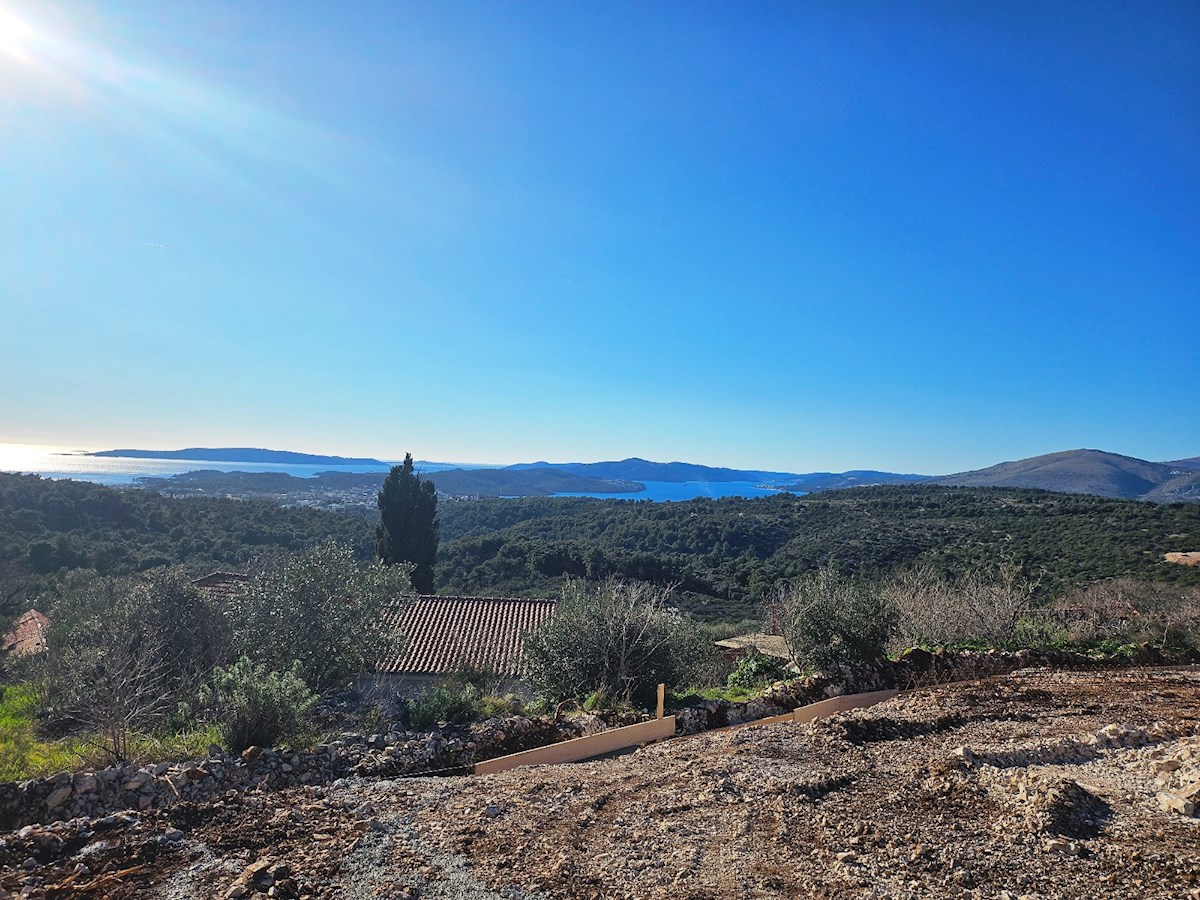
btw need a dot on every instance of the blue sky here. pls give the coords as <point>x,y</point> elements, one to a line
<point>908,236</point>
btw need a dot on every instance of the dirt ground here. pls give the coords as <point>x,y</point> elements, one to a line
<point>1036,784</point>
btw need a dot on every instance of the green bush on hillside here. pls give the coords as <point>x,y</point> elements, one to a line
<point>255,706</point>
<point>828,618</point>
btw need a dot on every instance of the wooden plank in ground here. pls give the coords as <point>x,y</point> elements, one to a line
<point>769,720</point>
<point>582,748</point>
<point>840,704</point>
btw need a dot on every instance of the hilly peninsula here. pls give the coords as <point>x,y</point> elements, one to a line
<point>1091,472</point>
<point>360,487</point>
<point>243,455</point>
<point>638,469</point>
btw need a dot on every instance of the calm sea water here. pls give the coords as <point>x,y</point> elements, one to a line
<point>687,490</point>
<point>69,462</point>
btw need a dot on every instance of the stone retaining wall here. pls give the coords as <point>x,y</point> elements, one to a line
<point>399,753</point>
<point>914,669</point>
<point>68,795</point>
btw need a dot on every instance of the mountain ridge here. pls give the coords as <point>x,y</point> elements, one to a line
<point>241,454</point>
<point>1087,471</point>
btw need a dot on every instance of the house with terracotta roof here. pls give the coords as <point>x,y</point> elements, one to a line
<point>28,635</point>
<point>444,635</point>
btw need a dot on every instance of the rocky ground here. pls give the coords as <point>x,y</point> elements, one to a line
<point>1035,784</point>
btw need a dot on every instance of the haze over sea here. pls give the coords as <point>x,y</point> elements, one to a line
<point>73,462</point>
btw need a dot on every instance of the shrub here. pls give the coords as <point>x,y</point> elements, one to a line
<point>455,702</point>
<point>1126,610</point>
<point>493,707</point>
<point>827,619</point>
<point>256,706</point>
<point>322,610</point>
<point>618,638</point>
<point>988,606</point>
<point>755,670</point>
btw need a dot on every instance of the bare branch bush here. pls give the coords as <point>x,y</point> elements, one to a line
<point>986,606</point>
<point>124,654</point>
<point>1132,611</point>
<point>617,638</point>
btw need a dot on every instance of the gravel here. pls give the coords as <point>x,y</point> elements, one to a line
<point>1032,785</point>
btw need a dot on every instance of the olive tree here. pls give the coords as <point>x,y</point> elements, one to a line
<point>617,638</point>
<point>332,615</point>
<point>827,618</point>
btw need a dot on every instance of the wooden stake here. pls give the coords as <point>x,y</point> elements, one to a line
<point>662,693</point>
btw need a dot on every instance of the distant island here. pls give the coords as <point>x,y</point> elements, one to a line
<point>836,481</point>
<point>637,469</point>
<point>357,488</point>
<point>1073,471</point>
<point>244,455</point>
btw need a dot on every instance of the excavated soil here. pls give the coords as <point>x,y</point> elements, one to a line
<point>1031,785</point>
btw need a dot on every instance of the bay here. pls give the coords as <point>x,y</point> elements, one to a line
<point>67,462</point>
<point>686,490</point>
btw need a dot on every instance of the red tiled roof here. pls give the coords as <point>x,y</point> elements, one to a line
<point>441,634</point>
<point>28,635</point>
<point>222,584</point>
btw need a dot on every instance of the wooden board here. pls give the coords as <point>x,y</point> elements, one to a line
<point>769,720</point>
<point>582,748</point>
<point>840,704</point>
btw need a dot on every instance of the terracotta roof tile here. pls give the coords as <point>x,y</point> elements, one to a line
<point>28,635</point>
<point>441,634</point>
<point>222,584</point>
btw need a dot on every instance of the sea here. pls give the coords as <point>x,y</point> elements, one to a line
<point>687,490</point>
<point>73,462</point>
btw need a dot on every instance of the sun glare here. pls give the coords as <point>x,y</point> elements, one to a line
<point>14,36</point>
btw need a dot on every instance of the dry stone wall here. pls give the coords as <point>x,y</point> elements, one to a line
<point>397,753</point>
<point>915,668</point>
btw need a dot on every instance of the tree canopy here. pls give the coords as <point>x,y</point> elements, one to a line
<point>408,525</point>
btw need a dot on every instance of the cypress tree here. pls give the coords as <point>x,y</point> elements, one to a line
<point>408,525</point>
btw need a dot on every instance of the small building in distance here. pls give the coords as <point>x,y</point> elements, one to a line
<point>222,585</point>
<point>27,637</point>
<point>1184,558</point>
<point>772,645</point>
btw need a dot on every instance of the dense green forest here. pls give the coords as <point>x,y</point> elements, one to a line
<point>724,554</point>
<point>47,526</point>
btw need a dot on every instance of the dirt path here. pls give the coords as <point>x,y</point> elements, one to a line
<point>1031,785</point>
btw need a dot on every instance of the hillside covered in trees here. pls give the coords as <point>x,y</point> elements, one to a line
<point>48,525</point>
<point>724,554</point>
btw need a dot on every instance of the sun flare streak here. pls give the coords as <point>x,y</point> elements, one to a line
<point>15,36</point>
